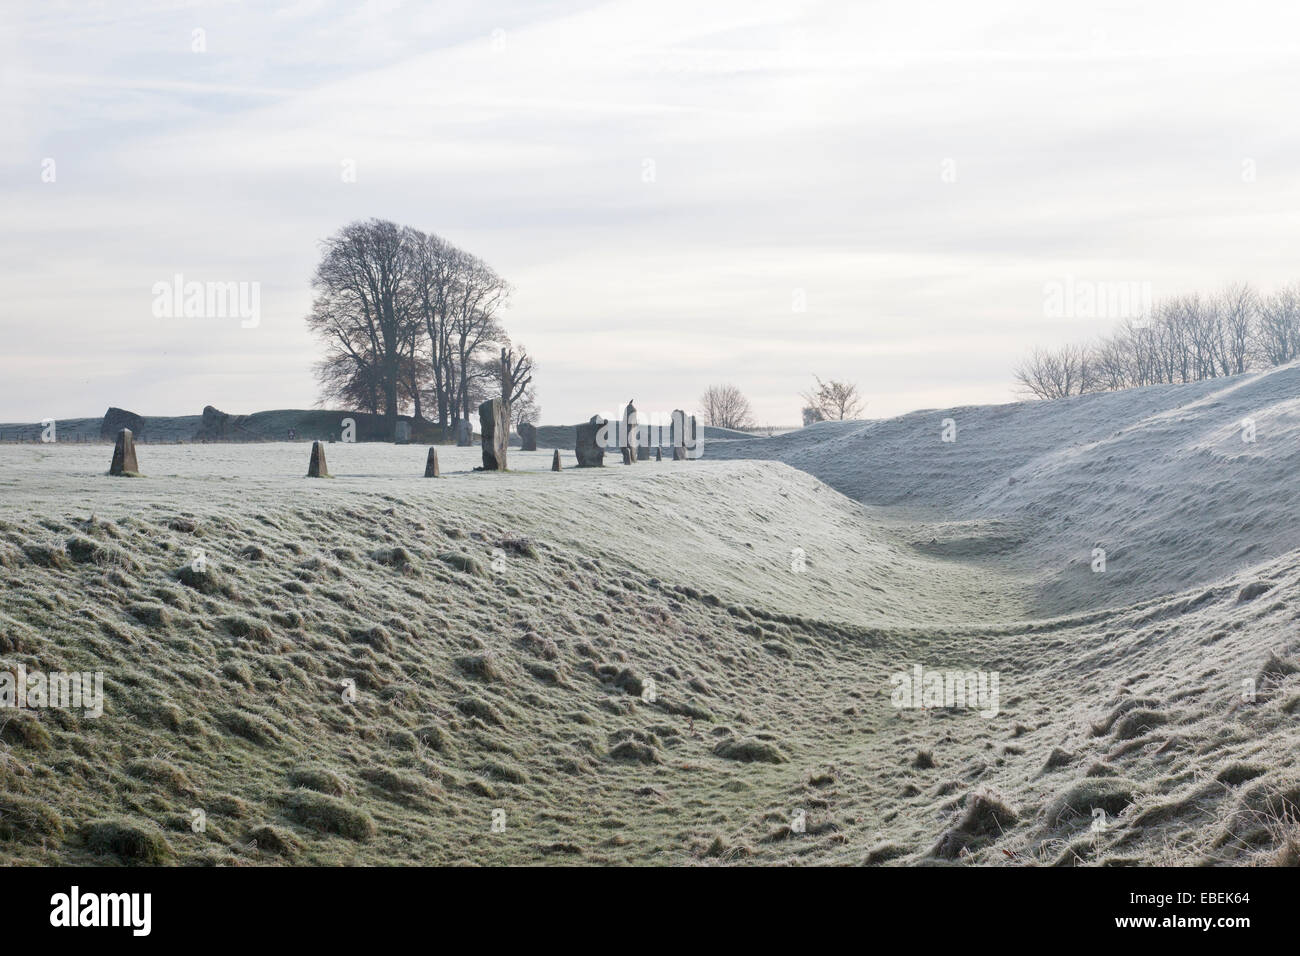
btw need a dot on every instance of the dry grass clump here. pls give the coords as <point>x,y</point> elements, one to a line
<point>464,563</point>
<point>128,840</point>
<point>986,818</point>
<point>321,779</point>
<point>749,750</point>
<point>22,818</point>
<point>1110,794</point>
<point>326,814</point>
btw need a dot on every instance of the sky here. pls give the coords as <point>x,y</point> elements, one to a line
<point>680,193</point>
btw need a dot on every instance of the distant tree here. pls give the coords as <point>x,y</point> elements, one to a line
<point>486,382</point>
<point>1277,327</point>
<point>725,406</point>
<point>1058,373</point>
<point>812,415</point>
<point>834,400</point>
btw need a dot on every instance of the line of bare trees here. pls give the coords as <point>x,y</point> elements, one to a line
<point>412,323</point>
<point>1186,338</point>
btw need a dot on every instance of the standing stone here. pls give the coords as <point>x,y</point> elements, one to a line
<point>464,435</point>
<point>527,437</point>
<point>124,455</point>
<point>555,462</point>
<point>629,442</point>
<point>590,449</point>
<point>402,433</point>
<point>115,419</point>
<point>678,431</point>
<point>659,453</point>
<point>494,423</point>
<point>317,467</point>
<point>431,466</point>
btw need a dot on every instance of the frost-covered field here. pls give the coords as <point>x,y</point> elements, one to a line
<point>671,662</point>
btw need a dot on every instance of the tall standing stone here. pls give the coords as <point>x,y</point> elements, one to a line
<point>494,423</point>
<point>678,434</point>
<point>629,443</point>
<point>527,436</point>
<point>317,468</point>
<point>431,465</point>
<point>124,455</point>
<point>555,462</point>
<point>590,448</point>
<point>677,430</point>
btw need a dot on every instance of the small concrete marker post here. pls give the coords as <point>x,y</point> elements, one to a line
<point>317,468</point>
<point>555,461</point>
<point>124,455</point>
<point>431,465</point>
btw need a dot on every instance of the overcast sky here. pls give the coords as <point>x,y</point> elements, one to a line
<point>664,183</point>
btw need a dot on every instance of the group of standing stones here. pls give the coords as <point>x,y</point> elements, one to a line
<point>494,418</point>
<point>590,448</point>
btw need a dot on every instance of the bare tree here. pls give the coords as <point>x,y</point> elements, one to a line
<point>478,294</point>
<point>1238,304</point>
<point>1058,373</point>
<point>834,400</point>
<point>725,406</point>
<point>360,309</point>
<point>1277,326</point>
<point>433,277</point>
<point>519,372</point>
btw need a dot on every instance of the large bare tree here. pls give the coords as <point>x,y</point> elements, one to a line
<point>361,308</point>
<point>408,320</point>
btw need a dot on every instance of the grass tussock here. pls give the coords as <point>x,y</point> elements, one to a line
<point>326,814</point>
<point>127,840</point>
